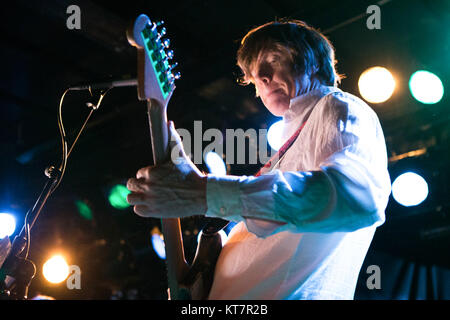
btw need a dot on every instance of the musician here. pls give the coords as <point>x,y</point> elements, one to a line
<point>304,223</point>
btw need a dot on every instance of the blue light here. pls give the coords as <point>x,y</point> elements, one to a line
<point>215,163</point>
<point>7,224</point>
<point>409,189</point>
<point>159,245</point>
<point>275,134</point>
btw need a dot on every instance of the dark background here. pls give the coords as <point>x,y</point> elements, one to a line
<point>40,57</point>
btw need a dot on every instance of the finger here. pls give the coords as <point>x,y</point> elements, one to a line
<point>136,198</point>
<point>143,211</point>
<point>144,172</point>
<point>137,185</point>
<point>153,173</point>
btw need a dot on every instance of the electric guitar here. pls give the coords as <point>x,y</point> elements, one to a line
<point>156,84</point>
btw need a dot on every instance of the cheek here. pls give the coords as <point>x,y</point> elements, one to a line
<point>292,86</point>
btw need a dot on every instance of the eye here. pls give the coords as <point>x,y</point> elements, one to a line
<point>274,59</point>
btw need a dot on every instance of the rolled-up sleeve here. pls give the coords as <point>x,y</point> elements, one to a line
<point>347,189</point>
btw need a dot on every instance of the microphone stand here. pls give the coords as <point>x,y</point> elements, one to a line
<point>21,269</point>
<point>17,272</point>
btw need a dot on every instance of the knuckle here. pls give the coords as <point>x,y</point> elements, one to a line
<point>130,183</point>
<point>144,172</point>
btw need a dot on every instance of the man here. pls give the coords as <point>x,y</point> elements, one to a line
<point>305,222</point>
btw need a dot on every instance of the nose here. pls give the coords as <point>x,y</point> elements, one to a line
<point>265,73</point>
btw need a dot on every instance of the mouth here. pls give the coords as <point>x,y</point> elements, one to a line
<point>276,91</point>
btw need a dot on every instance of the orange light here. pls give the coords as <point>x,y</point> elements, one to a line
<point>56,269</point>
<point>376,84</point>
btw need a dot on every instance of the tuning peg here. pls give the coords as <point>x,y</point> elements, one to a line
<point>172,66</point>
<point>169,54</point>
<point>166,43</point>
<point>173,77</point>
<point>151,26</point>
<point>159,23</point>
<point>161,34</point>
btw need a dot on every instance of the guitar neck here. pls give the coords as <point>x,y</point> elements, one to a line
<point>175,259</point>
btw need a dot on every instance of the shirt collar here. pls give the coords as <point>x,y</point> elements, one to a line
<point>302,105</point>
<point>300,108</point>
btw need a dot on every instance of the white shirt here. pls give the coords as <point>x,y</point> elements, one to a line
<point>305,226</point>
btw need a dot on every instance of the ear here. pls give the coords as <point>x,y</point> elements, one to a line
<point>256,91</point>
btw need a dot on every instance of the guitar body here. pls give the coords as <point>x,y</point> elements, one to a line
<point>156,84</point>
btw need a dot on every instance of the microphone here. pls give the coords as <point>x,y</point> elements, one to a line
<point>106,85</point>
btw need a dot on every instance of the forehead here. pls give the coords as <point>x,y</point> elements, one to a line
<point>282,55</point>
<point>278,51</point>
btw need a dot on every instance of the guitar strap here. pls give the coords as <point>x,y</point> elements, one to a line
<point>280,152</point>
<point>214,225</point>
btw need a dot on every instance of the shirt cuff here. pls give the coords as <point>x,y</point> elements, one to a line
<point>223,197</point>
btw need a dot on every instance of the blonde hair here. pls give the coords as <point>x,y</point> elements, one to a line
<point>310,51</point>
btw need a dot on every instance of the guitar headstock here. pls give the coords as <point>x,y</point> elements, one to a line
<point>156,80</point>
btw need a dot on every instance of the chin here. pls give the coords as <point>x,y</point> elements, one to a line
<point>277,107</point>
<point>278,110</point>
<point>278,113</point>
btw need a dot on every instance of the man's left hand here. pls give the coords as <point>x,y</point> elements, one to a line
<point>175,188</point>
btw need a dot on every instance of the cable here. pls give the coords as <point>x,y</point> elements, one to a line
<point>62,132</point>
<point>65,153</point>
<point>94,107</point>
<point>64,156</point>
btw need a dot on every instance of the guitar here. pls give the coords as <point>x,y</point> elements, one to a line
<point>156,84</point>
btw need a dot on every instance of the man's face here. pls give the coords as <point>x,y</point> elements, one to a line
<point>273,77</point>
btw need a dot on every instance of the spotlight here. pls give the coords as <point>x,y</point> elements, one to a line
<point>215,163</point>
<point>275,135</point>
<point>376,84</point>
<point>7,224</point>
<point>56,269</point>
<point>158,243</point>
<point>409,189</point>
<point>42,297</point>
<point>426,87</point>
<point>118,197</point>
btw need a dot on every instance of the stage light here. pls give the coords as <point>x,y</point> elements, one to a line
<point>409,189</point>
<point>215,163</point>
<point>275,134</point>
<point>118,197</point>
<point>222,233</point>
<point>7,224</point>
<point>84,209</point>
<point>42,297</point>
<point>426,87</point>
<point>158,243</point>
<point>376,84</point>
<point>56,269</point>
